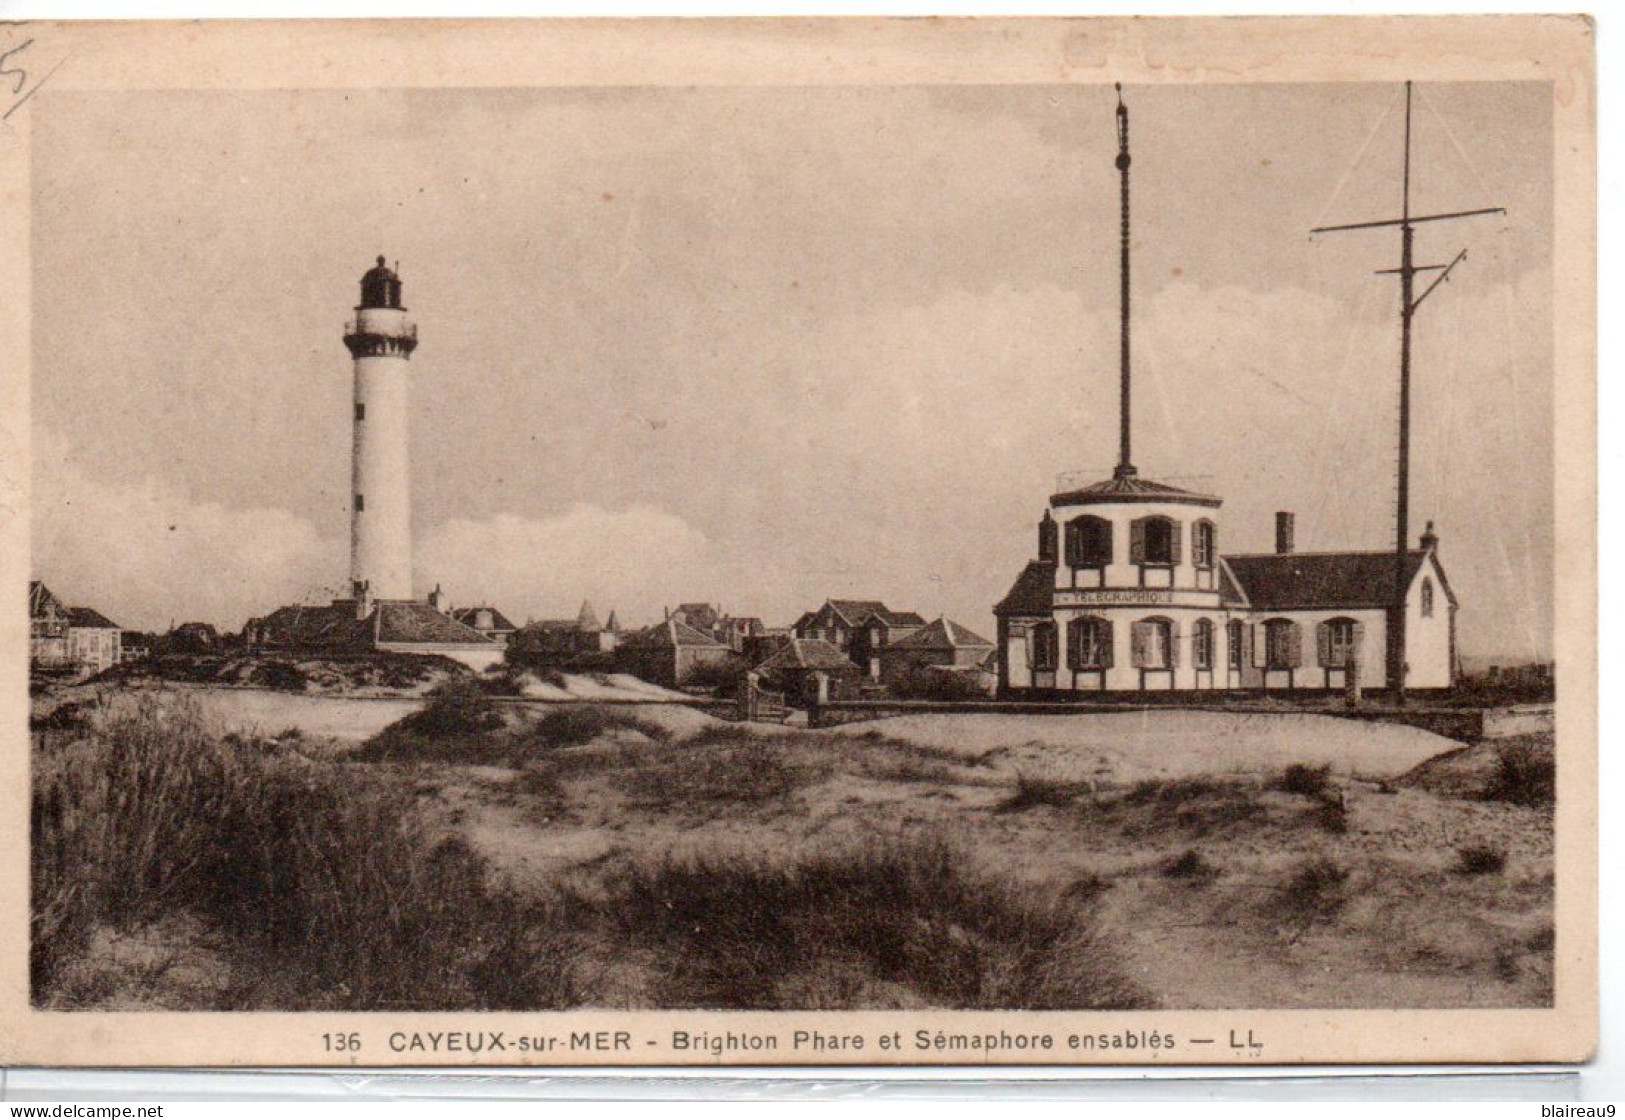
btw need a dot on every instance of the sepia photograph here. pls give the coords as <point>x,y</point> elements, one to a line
<point>1082,544</point>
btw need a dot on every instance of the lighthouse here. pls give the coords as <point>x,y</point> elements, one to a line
<point>380,615</point>
<point>381,339</point>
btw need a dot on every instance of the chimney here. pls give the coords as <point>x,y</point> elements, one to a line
<point>1283,534</point>
<point>1430,539</point>
<point>1049,551</point>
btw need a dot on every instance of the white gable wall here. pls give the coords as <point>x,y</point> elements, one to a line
<point>1427,639</point>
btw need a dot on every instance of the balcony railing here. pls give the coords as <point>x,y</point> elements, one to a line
<point>409,330</point>
<point>1077,480</point>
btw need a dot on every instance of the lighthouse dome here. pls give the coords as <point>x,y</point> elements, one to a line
<point>380,287</point>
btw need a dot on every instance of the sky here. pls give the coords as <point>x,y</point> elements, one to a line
<point>767,346</point>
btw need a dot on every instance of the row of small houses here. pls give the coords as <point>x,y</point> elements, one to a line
<point>850,641</point>
<point>81,641</point>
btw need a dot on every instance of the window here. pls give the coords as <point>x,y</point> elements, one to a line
<point>360,411</point>
<point>1089,542</point>
<point>1234,636</point>
<point>1202,644</point>
<point>1204,541</point>
<point>1154,644</point>
<point>1154,541</point>
<point>1282,645</point>
<point>1339,642</point>
<point>1089,643</point>
<point>1427,598</point>
<point>360,503</point>
<point>1044,647</point>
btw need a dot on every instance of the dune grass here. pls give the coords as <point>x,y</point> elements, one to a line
<point>328,884</point>
<point>885,923</point>
<point>331,879</point>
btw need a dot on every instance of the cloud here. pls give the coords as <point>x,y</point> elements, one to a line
<point>146,553</point>
<point>631,561</point>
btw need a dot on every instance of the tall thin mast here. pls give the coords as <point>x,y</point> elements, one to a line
<point>1125,461</point>
<point>1408,303</point>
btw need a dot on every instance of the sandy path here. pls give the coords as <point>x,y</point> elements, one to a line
<point>1128,746</point>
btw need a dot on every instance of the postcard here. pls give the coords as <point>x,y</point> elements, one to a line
<point>799,542</point>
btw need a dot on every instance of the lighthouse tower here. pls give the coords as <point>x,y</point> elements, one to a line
<point>381,340</point>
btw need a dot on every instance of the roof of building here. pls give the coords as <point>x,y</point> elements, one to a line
<point>1033,593</point>
<point>468,615</point>
<point>672,633</point>
<point>701,616</point>
<point>612,624</point>
<point>807,653</point>
<point>41,600</point>
<point>84,618</point>
<point>319,627</point>
<point>554,625</point>
<point>944,633</point>
<point>1322,580</point>
<point>402,621</point>
<point>1230,592</point>
<point>335,626</point>
<point>1131,488</point>
<point>380,271</point>
<point>587,618</point>
<point>856,612</point>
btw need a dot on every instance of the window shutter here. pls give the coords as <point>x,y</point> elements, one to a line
<point>1176,536</point>
<point>1108,643</point>
<point>1260,646</point>
<point>1074,640</point>
<point>1138,641</point>
<point>1074,544</point>
<point>1136,541</point>
<point>1357,654</point>
<point>1294,645</point>
<point>1323,644</point>
<point>1105,539</point>
<point>1173,642</point>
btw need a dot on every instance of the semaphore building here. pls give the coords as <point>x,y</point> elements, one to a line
<point>1130,593</point>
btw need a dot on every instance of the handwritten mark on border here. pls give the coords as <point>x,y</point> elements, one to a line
<point>21,91</point>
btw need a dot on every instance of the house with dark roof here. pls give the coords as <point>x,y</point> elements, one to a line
<point>859,628</point>
<point>347,627</point>
<point>943,643</point>
<point>736,633</point>
<point>64,638</point>
<point>670,652</point>
<point>1089,616</point>
<point>799,662</point>
<point>562,639</point>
